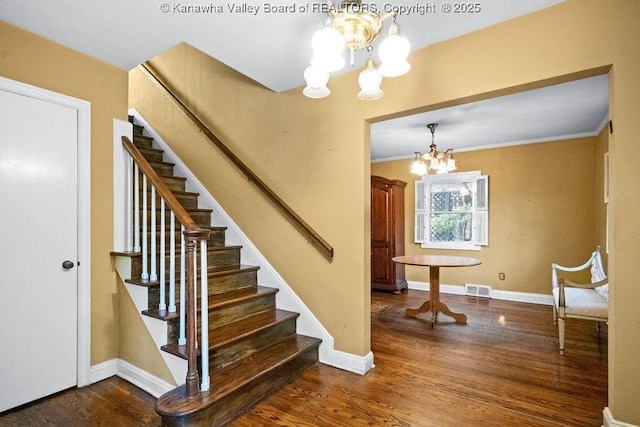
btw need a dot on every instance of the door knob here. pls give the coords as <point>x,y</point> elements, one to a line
<point>67,265</point>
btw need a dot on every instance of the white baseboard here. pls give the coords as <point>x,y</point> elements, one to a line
<point>103,370</point>
<point>609,421</point>
<point>151,384</point>
<point>527,297</point>
<point>286,298</point>
<point>349,362</point>
<point>136,376</point>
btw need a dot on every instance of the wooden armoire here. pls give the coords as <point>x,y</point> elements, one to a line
<point>387,233</point>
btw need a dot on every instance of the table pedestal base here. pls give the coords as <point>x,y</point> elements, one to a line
<point>433,304</point>
<point>440,308</point>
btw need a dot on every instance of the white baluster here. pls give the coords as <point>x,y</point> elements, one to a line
<point>172,264</point>
<point>145,249</point>
<point>204,304</point>
<point>195,288</point>
<point>136,208</point>
<point>183,337</point>
<point>163,304</point>
<point>153,229</point>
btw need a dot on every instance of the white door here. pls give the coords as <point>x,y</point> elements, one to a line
<point>38,232</point>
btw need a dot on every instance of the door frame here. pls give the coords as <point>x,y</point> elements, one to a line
<point>83,108</point>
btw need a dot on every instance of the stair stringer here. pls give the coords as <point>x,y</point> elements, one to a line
<point>157,328</point>
<point>286,298</point>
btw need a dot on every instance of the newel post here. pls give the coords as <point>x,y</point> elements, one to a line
<point>191,236</point>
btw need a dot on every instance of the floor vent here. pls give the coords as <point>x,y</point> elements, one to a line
<point>477,290</point>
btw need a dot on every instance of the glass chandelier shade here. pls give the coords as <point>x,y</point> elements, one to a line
<point>369,81</point>
<point>328,46</point>
<point>350,27</point>
<point>393,54</point>
<point>316,79</point>
<point>419,167</point>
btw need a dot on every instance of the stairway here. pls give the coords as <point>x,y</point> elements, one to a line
<point>253,346</point>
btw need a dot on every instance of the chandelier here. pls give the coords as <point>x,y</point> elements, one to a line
<point>352,27</point>
<point>440,161</point>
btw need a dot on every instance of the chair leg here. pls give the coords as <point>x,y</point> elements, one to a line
<point>555,315</point>
<point>561,334</point>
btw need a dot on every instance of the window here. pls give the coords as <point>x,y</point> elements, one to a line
<point>452,211</point>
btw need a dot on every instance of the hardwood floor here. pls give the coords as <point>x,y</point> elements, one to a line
<point>502,368</point>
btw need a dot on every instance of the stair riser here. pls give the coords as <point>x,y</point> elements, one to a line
<point>225,315</point>
<point>174,184</point>
<point>216,238</point>
<point>163,169</point>
<point>231,282</point>
<point>256,342</point>
<point>201,218</point>
<point>237,281</point>
<point>142,141</point>
<point>137,129</point>
<point>215,258</point>
<point>151,155</point>
<point>241,310</point>
<point>188,200</point>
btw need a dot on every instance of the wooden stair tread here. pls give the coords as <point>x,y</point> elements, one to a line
<point>163,314</point>
<point>232,377</point>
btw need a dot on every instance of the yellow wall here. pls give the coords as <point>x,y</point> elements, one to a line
<point>542,205</point>
<point>30,59</point>
<point>315,154</point>
<point>136,344</point>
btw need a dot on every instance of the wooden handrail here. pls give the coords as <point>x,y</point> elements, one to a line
<point>181,214</point>
<point>305,228</point>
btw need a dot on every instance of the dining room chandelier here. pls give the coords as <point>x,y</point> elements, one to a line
<point>351,27</point>
<point>440,161</point>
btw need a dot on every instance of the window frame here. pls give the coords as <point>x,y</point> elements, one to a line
<point>479,211</point>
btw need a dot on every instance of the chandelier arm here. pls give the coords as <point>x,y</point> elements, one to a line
<point>388,15</point>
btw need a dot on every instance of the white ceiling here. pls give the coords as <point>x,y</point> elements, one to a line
<point>273,48</point>
<point>568,110</point>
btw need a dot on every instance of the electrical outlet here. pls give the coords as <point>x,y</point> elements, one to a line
<point>501,276</point>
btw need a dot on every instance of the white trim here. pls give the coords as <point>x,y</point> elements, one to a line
<point>140,378</point>
<point>531,298</point>
<point>609,421</point>
<point>286,298</point>
<point>350,362</point>
<point>84,213</point>
<point>121,241</point>
<point>104,370</point>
